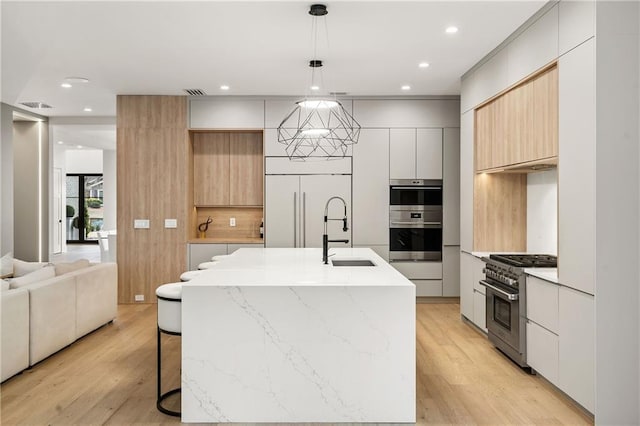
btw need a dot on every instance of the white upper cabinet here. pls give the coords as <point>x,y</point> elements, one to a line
<point>429,154</point>
<point>407,113</point>
<point>226,114</point>
<point>576,166</point>
<point>486,81</point>
<point>535,47</point>
<point>275,110</point>
<point>371,188</point>
<point>577,23</point>
<point>451,188</point>
<point>415,154</point>
<point>402,154</point>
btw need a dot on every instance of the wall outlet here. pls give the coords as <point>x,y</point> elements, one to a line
<point>232,221</point>
<point>141,223</point>
<point>171,223</point>
<point>139,298</point>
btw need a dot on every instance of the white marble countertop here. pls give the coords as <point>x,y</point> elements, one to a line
<point>547,274</point>
<point>299,267</point>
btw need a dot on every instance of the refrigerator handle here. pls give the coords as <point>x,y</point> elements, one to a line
<point>304,219</point>
<point>295,219</point>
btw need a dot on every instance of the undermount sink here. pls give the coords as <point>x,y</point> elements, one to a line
<point>352,262</point>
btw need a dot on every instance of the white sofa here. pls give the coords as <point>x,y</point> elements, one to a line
<point>59,310</point>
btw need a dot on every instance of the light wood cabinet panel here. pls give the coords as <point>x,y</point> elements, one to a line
<point>152,178</point>
<point>211,169</point>
<point>544,133</point>
<point>484,137</point>
<point>246,169</point>
<point>518,117</point>
<point>402,154</point>
<point>500,212</point>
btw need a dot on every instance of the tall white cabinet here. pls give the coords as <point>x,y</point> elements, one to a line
<point>371,191</point>
<point>416,154</point>
<point>294,210</point>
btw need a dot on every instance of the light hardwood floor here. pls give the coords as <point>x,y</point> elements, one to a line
<point>108,377</point>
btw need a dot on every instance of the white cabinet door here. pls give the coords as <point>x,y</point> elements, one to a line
<point>480,310</point>
<point>576,22</point>
<point>233,247</point>
<point>542,351</point>
<point>577,346</point>
<point>451,271</point>
<point>428,288</point>
<point>466,180</point>
<point>429,154</point>
<point>402,154</point>
<point>226,114</point>
<point>576,168</point>
<point>315,191</point>
<point>371,188</point>
<point>282,211</point>
<point>199,253</point>
<point>542,303</point>
<point>466,285</point>
<point>451,188</point>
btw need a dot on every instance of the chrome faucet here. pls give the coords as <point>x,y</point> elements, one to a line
<point>325,236</point>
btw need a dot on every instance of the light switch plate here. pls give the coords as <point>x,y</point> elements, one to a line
<point>171,223</point>
<point>232,221</point>
<point>139,297</point>
<point>141,223</point>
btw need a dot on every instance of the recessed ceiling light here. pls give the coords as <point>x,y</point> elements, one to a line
<point>79,146</point>
<point>406,87</point>
<point>87,109</point>
<point>451,30</point>
<point>224,87</point>
<point>315,88</point>
<point>76,80</point>
<point>423,64</point>
<point>60,142</point>
<point>66,85</point>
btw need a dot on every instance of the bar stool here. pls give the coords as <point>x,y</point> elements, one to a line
<point>189,275</point>
<point>169,322</point>
<point>207,265</point>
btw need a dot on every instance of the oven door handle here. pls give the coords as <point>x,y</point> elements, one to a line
<point>417,187</point>
<point>416,223</point>
<point>510,296</point>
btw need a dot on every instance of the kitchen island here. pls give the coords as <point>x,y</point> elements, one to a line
<point>275,335</point>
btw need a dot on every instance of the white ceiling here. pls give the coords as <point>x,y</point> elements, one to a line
<point>100,136</point>
<point>257,48</point>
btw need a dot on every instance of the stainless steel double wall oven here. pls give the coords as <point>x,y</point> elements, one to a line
<point>415,220</point>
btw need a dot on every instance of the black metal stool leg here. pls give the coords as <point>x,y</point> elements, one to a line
<point>160,396</point>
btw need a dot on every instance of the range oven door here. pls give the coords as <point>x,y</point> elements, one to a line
<point>503,313</point>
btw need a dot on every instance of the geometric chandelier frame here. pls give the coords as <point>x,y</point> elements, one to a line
<point>318,128</point>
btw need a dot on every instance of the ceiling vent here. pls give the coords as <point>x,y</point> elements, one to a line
<point>35,105</point>
<point>195,92</point>
<point>337,93</point>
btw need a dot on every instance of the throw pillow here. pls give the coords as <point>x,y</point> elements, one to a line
<point>5,285</point>
<point>33,277</point>
<point>6,264</point>
<point>65,268</point>
<point>20,267</point>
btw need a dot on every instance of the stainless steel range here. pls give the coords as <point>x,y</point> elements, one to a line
<point>506,300</point>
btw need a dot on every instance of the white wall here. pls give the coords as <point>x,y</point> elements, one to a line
<point>109,189</point>
<point>542,212</point>
<point>83,160</point>
<point>6,202</point>
<point>59,161</point>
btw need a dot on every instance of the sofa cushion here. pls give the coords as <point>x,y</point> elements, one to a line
<point>65,268</point>
<point>5,285</point>
<point>21,268</point>
<point>33,277</point>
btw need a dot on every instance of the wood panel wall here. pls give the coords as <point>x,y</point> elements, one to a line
<point>500,212</point>
<point>153,153</point>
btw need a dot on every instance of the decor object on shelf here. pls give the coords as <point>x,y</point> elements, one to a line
<point>317,128</point>
<point>204,226</point>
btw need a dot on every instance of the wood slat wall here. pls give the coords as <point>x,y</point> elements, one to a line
<point>153,183</point>
<point>500,212</point>
<point>211,169</point>
<point>246,166</point>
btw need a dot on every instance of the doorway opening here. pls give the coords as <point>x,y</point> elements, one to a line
<point>85,209</point>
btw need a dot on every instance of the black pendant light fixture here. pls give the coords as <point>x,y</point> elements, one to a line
<point>318,127</point>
